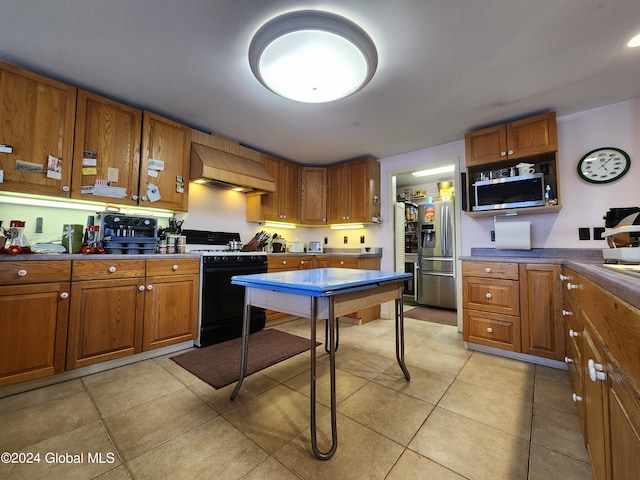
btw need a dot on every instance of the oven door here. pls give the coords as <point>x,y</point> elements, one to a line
<point>223,303</point>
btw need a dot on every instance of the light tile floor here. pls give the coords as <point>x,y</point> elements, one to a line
<point>464,414</point>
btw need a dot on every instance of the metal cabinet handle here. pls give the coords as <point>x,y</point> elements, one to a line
<point>572,286</point>
<point>22,273</point>
<point>112,269</point>
<point>564,277</point>
<point>488,295</point>
<point>566,313</point>
<point>175,267</point>
<point>573,333</point>
<point>576,398</point>
<point>64,295</point>
<point>488,270</point>
<point>568,360</point>
<point>489,330</point>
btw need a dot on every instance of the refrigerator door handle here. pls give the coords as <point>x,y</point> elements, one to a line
<point>441,259</point>
<point>437,274</point>
<point>416,269</point>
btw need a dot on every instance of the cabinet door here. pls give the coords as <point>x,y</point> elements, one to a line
<point>166,148</point>
<point>105,321</point>
<point>170,311</point>
<point>337,194</point>
<point>532,136</point>
<point>595,410</point>
<point>269,201</point>
<point>624,425</point>
<point>313,196</point>
<point>288,192</point>
<point>111,131</point>
<point>484,146</point>
<point>359,191</point>
<point>37,121</point>
<point>33,331</point>
<point>541,311</point>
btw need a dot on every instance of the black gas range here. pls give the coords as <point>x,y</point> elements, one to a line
<point>221,304</point>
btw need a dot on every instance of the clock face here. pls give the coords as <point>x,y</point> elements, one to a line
<point>604,165</point>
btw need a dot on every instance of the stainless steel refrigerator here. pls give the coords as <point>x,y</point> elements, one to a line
<point>436,255</point>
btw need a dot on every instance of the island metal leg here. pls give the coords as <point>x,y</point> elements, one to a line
<point>246,315</point>
<point>326,335</point>
<point>332,369</point>
<point>400,335</point>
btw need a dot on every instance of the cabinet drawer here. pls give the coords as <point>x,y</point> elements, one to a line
<point>570,285</point>
<point>492,329</point>
<point>288,263</point>
<point>496,295</point>
<point>107,269</point>
<point>490,270</point>
<point>173,266</point>
<point>18,273</point>
<point>343,262</point>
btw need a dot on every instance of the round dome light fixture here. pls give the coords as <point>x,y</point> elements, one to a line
<point>312,56</point>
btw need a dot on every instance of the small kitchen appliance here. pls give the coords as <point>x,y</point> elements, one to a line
<point>314,247</point>
<point>296,247</point>
<point>624,237</point>
<point>128,234</point>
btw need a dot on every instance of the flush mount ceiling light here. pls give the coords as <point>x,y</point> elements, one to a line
<point>312,56</point>
<point>434,171</point>
<point>634,42</point>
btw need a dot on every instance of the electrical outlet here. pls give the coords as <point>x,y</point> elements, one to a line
<point>345,240</point>
<point>326,240</point>
<point>361,238</point>
<point>493,235</point>
<point>597,233</point>
<point>583,233</point>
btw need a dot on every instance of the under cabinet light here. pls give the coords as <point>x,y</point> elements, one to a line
<point>289,226</point>
<point>347,226</point>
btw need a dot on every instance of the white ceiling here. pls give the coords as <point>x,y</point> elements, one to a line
<point>445,66</point>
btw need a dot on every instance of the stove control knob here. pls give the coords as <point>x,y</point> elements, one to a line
<point>224,259</point>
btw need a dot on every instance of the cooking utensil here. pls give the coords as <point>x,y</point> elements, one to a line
<point>235,245</point>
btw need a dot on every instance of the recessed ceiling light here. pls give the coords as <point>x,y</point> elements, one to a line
<point>312,56</point>
<point>634,42</point>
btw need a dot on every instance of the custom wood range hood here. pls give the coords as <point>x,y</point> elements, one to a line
<point>211,166</point>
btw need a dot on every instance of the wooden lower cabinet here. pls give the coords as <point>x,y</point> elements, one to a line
<point>105,320</point>
<point>33,331</point>
<point>541,311</point>
<point>514,306</point>
<point>171,302</point>
<point>606,349</point>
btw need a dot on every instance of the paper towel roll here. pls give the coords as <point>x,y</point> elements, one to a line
<point>513,235</point>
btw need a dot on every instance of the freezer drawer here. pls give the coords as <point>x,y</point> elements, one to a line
<point>437,265</point>
<point>438,290</point>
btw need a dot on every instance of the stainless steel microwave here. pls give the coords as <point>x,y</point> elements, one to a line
<point>510,192</point>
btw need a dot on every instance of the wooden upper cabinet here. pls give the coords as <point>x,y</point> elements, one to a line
<point>37,118</point>
<point>165,163</point>
<point>107,148</point>
<point>313,196</point>
<point>283,205</point>
<point>354,191</point>
<point>515,140</point>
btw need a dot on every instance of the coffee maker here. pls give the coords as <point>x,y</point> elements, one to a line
<point>128,234</point>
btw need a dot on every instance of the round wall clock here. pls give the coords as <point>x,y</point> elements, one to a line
<point>604,165</point>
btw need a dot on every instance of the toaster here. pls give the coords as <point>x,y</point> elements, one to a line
<point>314,247</point>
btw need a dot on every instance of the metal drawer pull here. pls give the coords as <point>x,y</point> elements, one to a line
<point>576,398</point>
<point>566,313</point>
<point>64,295</point>
<point>488,295</point>
<point>568,360</point>
<point>22,273</point>
<point>175,267</point>
<point>489,330</point>
<point>488,270</point>
<point>572,286</point>
<point>596,371</point>
<point>573,333</point>
<point>564,277</point>
<point>112,269</point>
